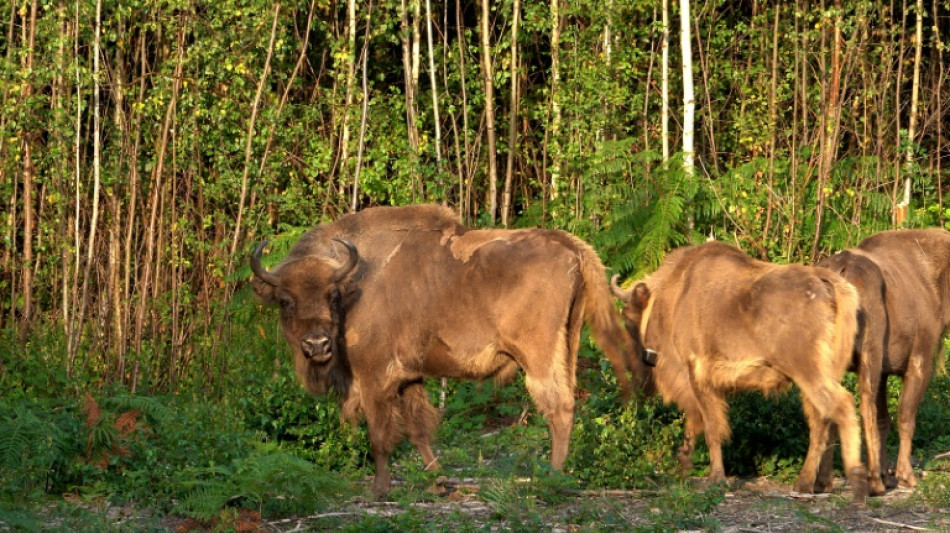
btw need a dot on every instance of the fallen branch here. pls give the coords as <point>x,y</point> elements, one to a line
<point>898,524</point>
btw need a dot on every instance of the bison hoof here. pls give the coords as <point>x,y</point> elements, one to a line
<point>804,486</point>
<point>876,487</point>
<point>858,478</point>
<point>824,484</point>
<point>379,493</point>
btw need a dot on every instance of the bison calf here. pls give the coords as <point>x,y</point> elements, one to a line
<point>716,321</point>
<point>378,300</point>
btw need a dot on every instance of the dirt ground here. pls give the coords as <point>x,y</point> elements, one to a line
<point>749,506</point>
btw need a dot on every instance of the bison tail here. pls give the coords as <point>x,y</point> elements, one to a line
<point>604,321</point>
<point>846,322</point>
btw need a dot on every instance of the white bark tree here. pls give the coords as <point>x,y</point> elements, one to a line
<point>689,102</point>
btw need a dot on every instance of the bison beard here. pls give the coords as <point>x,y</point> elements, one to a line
<point>378,300</point>
<point>903,281</point>
<point>720,321</point>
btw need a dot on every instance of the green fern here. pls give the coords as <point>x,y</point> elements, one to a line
<point>32,446</point>
<point>270,480</point>
<point>151,408</point>
<point>655,215</point>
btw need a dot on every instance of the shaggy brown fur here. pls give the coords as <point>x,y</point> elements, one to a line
<point>903,281</point>
<point>427,297</point>
<point>720,321</point>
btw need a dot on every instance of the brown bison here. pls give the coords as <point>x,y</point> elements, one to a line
<point>716,321</point>
<point>903,282</point>
<point>379,300</point>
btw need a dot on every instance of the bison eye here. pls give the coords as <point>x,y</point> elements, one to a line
<point>286,304</point>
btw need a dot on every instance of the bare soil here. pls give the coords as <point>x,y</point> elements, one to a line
<point>749,506</point>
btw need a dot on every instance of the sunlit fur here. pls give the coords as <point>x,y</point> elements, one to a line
<point>721,321</point>
<point>903,280</point>
<point>431,298</point>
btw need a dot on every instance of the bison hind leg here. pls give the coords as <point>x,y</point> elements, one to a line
<point>421,420</point>
<point>556,402</point>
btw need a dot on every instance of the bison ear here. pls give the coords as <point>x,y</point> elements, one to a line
<point>640,295</point>
<point>264,290</point>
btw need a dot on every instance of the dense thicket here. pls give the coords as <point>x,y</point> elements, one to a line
<point>145,147</point>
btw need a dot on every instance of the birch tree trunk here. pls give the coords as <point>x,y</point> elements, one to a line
<point>350,82</point>
<point>487,79</point>
<point>555,122</point>
<point>513,112</point>
<point>434,89</point>
<point>689,102</point>
<point>904,204</point>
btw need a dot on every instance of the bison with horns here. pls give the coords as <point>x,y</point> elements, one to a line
<point>379,300</point>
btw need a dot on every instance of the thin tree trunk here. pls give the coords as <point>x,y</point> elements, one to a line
<point>466,177</point>
<point>689,102</point>
<point>96,184</point>
<point>904,204</point>
<point>249,144</point>
<point>146,280</point>
<point>487,80</point>
<point>941,72</point>
<point>665,81</point>
<point>513,113</point>
<point>773,129</point>
<point>350,82</point>
<point>28,171</point>
<point>434,89</point>
<point>829,127</point>
<point>359,156</point>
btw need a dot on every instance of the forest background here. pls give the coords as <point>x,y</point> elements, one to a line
<point>146,146</point>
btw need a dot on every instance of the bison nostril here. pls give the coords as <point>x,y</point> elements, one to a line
<point>316,347</point>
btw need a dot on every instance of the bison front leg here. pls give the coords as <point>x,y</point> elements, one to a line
<point>694,427</point>
<point>421,421</point>
<point>384,434</point>
<point>716,428</point>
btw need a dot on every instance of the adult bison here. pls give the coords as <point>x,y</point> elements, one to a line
<point>903,281</point>
<point>716,321</point>
<point>378,300</point>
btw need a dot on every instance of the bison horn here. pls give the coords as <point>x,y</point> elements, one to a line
<point>618,292</point>
<point>259,270</point>
<point>353,258</point>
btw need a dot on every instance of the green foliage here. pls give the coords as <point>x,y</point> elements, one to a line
<point>934,489</point>
<point>769,435</point>
<point>627,446</point>
<point>37,444</point>
<point>684,507</point>
<point>274,482</point>
<point>654,216</point>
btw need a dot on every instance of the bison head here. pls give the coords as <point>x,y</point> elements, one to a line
<point>636,313</point>
<point>309,290</point>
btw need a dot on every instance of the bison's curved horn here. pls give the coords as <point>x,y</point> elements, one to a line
<point>618,292</point>
<point>259,270</point>
<point>351,261</point>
